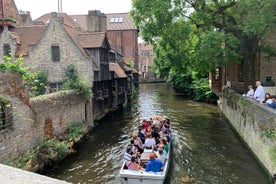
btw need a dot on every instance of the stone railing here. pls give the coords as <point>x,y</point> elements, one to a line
<point>270,89</point>
<point>256,125</point>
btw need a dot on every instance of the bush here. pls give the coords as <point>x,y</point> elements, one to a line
<point>76,130</point>
<point>74,82</point>
<point>45,152</point>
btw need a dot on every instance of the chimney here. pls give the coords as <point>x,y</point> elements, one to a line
<point>53,15</point>
<point>96,21</point>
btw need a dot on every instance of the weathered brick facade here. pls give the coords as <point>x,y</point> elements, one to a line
<point>40,56</point>
<point>35,119</point>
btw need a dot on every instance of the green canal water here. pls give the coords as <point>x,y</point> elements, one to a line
<point>205,148</point>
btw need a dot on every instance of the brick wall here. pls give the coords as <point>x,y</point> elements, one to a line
<point>37,118</point>
<point>268,64</point>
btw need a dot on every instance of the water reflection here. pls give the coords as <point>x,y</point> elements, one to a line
<point>205,148</point>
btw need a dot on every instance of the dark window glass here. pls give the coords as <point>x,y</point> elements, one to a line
<point>55,53</point>
<point>7,49</point>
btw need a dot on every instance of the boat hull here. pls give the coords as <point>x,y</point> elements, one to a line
<point>141,176</point>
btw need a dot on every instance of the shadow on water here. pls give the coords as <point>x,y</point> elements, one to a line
<point>205,149</point>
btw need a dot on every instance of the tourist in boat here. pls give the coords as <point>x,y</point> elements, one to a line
<point>128,154</point>
<point>154,164</point>
<point>138,142</point>
<point>150,141</point>
<point>141,134</point>
<point>155,134</point>
<point>161,156</point>
<point>146,126</point>
<point>164,142</point>
<point>134,148</point>
<point>132,164</point>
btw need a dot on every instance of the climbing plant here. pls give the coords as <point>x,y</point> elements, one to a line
<point>37,80</point>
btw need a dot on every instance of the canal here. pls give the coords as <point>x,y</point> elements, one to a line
<point>205,149</point>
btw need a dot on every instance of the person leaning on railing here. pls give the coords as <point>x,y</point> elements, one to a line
<point>273,103</point>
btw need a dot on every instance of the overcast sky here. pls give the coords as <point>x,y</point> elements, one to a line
<point>40,7</point>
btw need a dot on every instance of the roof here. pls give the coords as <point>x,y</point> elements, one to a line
<point>92,40</point>
<point>115,21</point>
<point>119,21</point>
<point>10,11</point>
<point>117,69</point>
<point>26,36</point>
<point>67,20</point>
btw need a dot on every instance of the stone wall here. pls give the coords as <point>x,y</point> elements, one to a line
<point>35,119</point>
<point>254,123</point>
<point>40,56</point>
<point>270,89</point>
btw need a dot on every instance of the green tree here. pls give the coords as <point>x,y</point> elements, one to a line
<point>201,35</point>
<point>75,82</point>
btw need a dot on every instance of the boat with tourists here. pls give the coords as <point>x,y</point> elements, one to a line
<point>147,156</point>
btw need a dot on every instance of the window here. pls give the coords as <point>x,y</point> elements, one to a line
<point>145,68</point>
<point>5,116</point>
<point>217,74</point>
<point>55,53</point>
<point>105,93</point>
<point>7,49</point>
<point>116,19</point>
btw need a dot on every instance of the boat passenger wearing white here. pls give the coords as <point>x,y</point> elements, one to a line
<point>128,154</point>
<point>161,147</point>
<point>154,165</point>
<point>161,156</point>
<point>150,141</point>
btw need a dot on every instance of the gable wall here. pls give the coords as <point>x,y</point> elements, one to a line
<point>40,56</point>
<point>6,38</point>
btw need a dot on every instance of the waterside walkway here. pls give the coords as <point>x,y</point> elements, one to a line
<point>17,176</point>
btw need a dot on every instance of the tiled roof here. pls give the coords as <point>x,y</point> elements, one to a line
<point>92,40</point>
<point>124,22</point>
<point>67,20</point>
<point>26,36</point>
<point>10,11</point>
<point>81,20</point>
<point>117,69</point>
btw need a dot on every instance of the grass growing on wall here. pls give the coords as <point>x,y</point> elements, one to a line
<point>50,150</point>
<point>272,155</point>
<point>76,131</point>
<point>43,153</point>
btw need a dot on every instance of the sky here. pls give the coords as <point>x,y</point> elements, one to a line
<point>72,7</point>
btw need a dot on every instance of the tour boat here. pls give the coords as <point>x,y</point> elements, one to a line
<point>141,176</point>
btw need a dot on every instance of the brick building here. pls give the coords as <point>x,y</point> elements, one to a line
<point>265,68</point>
<point>54,41</point>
